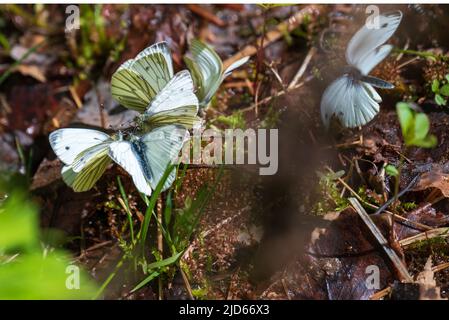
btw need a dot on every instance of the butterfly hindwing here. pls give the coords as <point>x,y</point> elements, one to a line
<point>353,102</point>
<point>130,89</point>
<point>88,176</point>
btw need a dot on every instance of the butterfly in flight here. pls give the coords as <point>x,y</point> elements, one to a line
<point>352,97</point>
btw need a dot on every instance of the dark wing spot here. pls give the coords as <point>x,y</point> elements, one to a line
<point>67,147</point>
<point>384,25</point>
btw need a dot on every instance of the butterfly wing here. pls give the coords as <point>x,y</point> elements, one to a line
<point>364,50</point>
<point>123,153</point>
<point>353,102</point>
<point>130,89</point>
<point>138,80</point>
<point>175,104</point>
<point>158,149</point>
<point>234,66</point>
<point>154,65</point>
<point>210,69</point>
<point>89,174</point>
<point>69,143</point>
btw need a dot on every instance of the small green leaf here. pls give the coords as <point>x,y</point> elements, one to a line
<point>392,170</point>
<point>444,90</point>
<point>428,142</point>
<point>422,126</point>
<point>405,115</point>
<point>435,85</point>
<point>440,100</point>
<point>447,77</point>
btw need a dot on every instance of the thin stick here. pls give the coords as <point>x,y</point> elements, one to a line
<point>186,283</point>
<point>381,294</point>
<point>397,262</point>
<point>400,194</point>
<point>303,68</point>
<point>276,95</point>
<point>410,223</point>
<point>437,232</point>
<point>440,267</point>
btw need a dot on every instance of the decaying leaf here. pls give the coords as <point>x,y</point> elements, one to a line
<point>434,178</point>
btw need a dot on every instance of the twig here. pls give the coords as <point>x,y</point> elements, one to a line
<point>278,94</point>
<point>303,68</point>
<point>440,267</point>
<point>75,97</point>
<point>381,294</point>
<point>274,35</point>
<point>437,232</point>
<point>206,14</point>
<point>397,262</point>
<point>400,194</point>
<point>410,223</point>
<point>186,283</point>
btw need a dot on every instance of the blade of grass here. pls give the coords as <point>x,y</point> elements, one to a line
<point>128,211</point>
<point>18,62</point>
<point>151,205</point>
<point>156,265</point>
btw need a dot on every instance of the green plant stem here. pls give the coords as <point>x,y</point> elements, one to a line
<point>422,54</point>
<point>109,278</point>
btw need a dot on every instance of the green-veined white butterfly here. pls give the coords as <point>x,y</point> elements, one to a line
<point>207,70</point>
<point>352,97</point>
<point>84,153</point>
<point>146,84</point>
<point>137,81</point>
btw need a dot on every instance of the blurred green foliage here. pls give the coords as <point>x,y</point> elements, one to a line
<point>415,127</point>
<point>27,271</point>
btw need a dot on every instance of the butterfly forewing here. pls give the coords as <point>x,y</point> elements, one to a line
<point>70,142</point>
<point>359,52</point>
<point>138,80</point>
<point>352,102</point>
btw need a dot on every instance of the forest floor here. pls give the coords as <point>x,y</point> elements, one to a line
<point>293,235</point>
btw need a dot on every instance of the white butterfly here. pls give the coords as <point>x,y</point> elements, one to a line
<point>147,157</point>
<point>147,80</point>
<point>146,84</point>
<point>207,70</point>
<point>352,98</point>
<point>84,153</point>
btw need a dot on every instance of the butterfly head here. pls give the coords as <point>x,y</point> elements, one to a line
<point>352,72</point>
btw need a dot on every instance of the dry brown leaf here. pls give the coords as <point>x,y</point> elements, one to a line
<point>32,71</point>
<point>434,179</point>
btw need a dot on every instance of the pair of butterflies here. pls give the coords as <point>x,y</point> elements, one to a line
<point>352,97</point>
<point>168,107</point>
